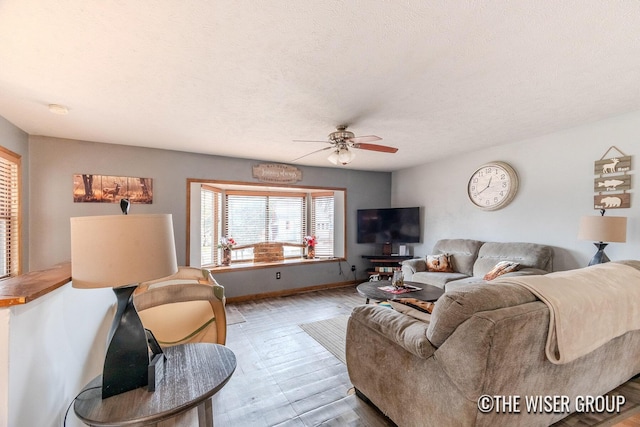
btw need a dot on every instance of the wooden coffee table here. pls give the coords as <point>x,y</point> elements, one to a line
<point>370,290</point>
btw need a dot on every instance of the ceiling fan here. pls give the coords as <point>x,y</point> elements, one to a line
<point>342,141</point>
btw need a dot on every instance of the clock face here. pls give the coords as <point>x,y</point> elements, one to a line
<point>493,186</point>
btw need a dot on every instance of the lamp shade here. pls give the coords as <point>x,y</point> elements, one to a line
<point>603,228</point>
<point>120,250</point>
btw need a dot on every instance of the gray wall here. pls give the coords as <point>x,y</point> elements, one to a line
<point>17,141</point>
<point>556,189</point>
<point>54,161</point>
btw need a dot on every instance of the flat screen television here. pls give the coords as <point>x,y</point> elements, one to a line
<point>389,225</point>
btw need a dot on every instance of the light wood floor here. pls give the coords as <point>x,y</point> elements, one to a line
<point>284,377</point>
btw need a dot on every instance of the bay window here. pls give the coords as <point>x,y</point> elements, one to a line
<point>252,214</point>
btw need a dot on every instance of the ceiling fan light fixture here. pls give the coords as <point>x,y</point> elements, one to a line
<point>341,156</point>
<point>343,142</point>
<point>333,157</point>
<point>345,156</point>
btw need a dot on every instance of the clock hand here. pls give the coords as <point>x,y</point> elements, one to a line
<point>488,185</point>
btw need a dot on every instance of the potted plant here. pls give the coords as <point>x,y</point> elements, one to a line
<point>310,245</point>
<point>226,243</point>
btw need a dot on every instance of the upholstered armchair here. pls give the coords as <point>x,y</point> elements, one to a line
<point>186,307</point>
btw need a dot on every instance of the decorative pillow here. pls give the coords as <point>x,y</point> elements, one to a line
<point>410,311</point>
<point>440,263</point>
<point>418,304</point>
<point>501,268</point>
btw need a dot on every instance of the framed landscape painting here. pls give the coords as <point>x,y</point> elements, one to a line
<point>89,188</point>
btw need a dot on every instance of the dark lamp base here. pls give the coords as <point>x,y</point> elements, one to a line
<point>127,360</point>
<point>600,257</point>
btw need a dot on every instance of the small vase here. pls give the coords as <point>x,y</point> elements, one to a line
<point>311,252</point>
<point>226,257</point>
<point>398,279</point>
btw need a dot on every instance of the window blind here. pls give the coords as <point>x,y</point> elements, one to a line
<point>322,223</point>
<point>10,264</point>
<point>210,225</point>
<point>255,217</point>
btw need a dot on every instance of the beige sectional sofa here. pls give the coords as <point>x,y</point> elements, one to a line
<point>472,259</point>
<point>486,339</point>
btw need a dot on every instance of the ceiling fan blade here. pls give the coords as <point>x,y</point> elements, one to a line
<point>306,140</point>
<point>376,147</point>
<point>313,152</point>
<point>366,138</point>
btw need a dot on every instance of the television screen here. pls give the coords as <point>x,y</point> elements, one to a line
<point>391,225</point>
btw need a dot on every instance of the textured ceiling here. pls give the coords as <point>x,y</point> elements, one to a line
<point>245,78</point>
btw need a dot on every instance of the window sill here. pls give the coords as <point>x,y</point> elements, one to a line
<point>254,266</point>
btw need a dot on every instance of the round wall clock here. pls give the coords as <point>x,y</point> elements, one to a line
<point>493,186</point>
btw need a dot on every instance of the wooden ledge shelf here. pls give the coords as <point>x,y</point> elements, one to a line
<point>251,266</point>
<point>28,287</point>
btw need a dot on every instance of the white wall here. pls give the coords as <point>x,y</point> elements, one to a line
<point>54,161</point>
<point>56,345</point>
<point>556,189</point>
<point>4,366</point>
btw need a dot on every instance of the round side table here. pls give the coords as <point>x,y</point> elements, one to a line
<point>193,373</point>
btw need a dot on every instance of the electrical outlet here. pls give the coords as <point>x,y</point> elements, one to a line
<point>353,268</point>
<point>278,275</point>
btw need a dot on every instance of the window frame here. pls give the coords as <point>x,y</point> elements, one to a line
<point>14,191</point>
<point>340,220</point>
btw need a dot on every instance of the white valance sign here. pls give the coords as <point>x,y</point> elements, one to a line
<point>277,173</point>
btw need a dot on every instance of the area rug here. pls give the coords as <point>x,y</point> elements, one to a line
<point>331,334</point>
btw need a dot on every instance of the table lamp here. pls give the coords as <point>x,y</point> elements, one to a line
<point>119,252</point>
<point>603,229</point>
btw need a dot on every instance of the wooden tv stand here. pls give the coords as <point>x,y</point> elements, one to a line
<point>384,261</point>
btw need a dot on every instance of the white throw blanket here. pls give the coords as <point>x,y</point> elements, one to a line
<point>589,307</point>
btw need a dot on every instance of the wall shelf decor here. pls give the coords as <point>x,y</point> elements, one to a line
<point>276,173</point>
<point>89,188</point>
<point>612,181</point>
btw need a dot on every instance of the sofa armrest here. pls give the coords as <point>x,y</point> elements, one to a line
<point>405,331</point>
<point>412,266</point>
<point>516,333</point>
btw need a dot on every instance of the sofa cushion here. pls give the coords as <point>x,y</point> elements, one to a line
<point>463,283</point>
<point>463,253</point>
<point>473,280</point>
<point>455,307</point>
<point>439,263</point>
<point>526,254</point>
<point>435,278</point>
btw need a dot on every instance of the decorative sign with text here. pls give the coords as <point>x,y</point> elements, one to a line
<point>612,182</point>
<point>277,173</point>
